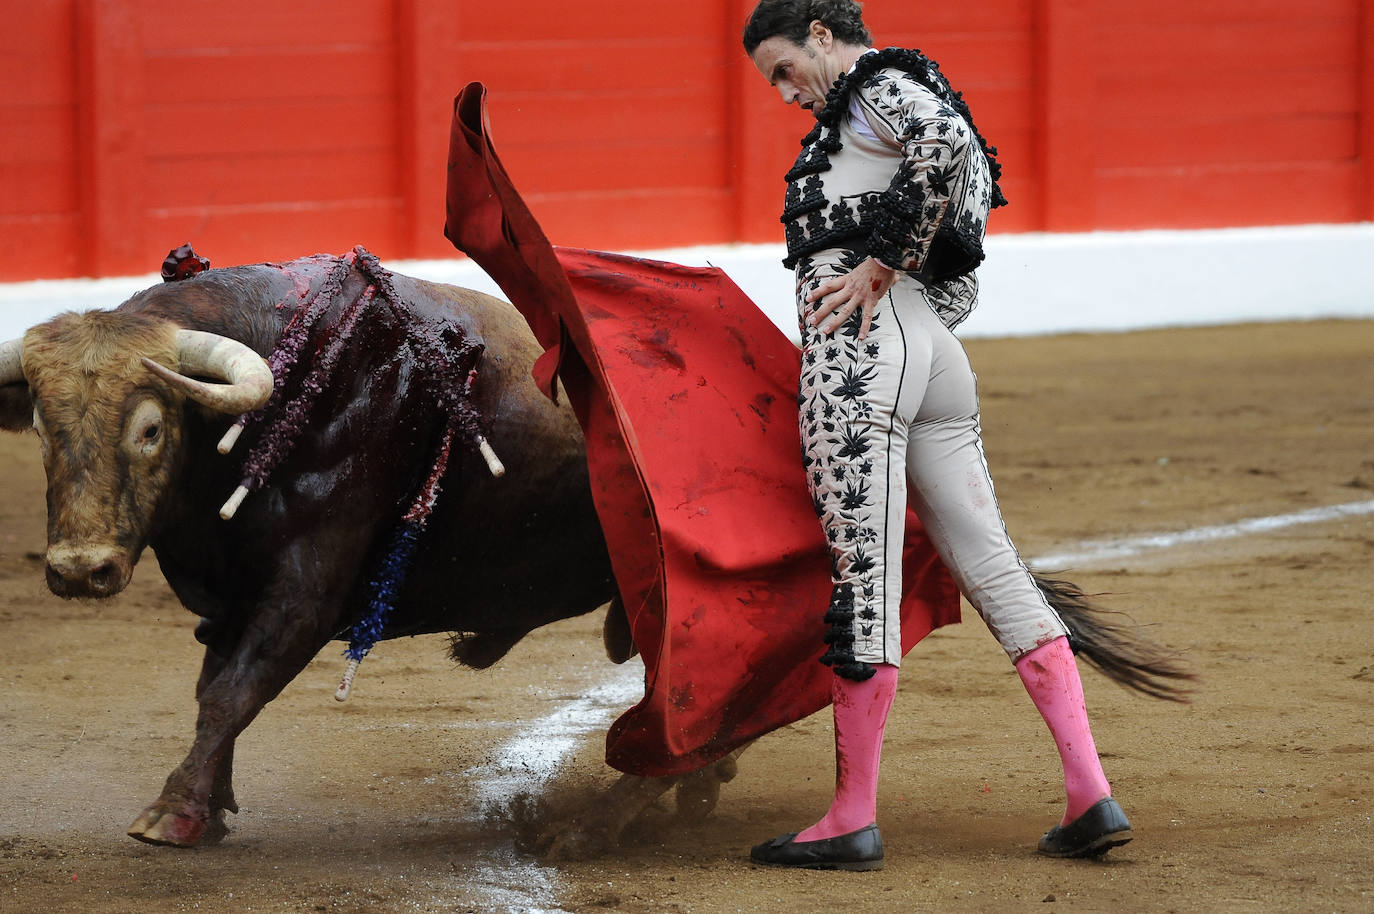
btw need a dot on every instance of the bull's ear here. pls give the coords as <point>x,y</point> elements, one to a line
<point>16,407</point>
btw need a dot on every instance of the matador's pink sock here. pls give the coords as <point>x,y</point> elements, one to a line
<point>860,715</point>
<point>1050,675</point>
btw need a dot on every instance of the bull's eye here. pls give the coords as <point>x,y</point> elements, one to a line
<point>144,429</point>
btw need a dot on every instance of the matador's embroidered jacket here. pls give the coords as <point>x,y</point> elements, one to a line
<point>918,197</point>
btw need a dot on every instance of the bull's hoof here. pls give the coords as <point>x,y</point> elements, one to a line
<point>616,636</point>
<point>170,829</point>
<point>570,841</point>
<point>698,792</point>
<point>216,830</point>
<point>696,797</point>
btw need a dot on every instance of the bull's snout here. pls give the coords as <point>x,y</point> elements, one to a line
<point>90,571</point>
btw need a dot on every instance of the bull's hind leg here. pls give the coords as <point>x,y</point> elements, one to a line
<point>599,825</point>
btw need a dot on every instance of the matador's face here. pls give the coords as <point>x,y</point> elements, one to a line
<point>800,72</point>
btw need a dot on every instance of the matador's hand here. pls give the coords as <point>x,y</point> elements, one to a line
<point>840,296</point>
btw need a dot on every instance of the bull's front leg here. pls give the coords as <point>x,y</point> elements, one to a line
<point>219,641</point>
<point>271,651</point>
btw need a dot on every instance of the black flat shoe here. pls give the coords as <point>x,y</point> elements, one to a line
<point>858,850</point>
<point>1103,827</point>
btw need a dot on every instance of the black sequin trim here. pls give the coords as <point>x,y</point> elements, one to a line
<point>920,68</point>
<point>840,618</point>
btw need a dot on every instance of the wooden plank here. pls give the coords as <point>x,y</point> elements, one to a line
<point>276,232</point>
<point>206,80</point>
<point>1229,141</point>
<point>1309,90</point>
<point>760,141</point>
<point>274,177</point>
<point>604,24</point>
<point>1365,141</point>
<point>1021,181</point>
<point>888,21</point>
<point>1226,12</point>
<point>999,112</point>
<point>576,66</point>
<point>650,163</point>
<point>634,221</point>
<point>36,28</point>
<point>558,122</point>
<point>109,137</point>
<point>48,243</point>
<point>1197,197</point>
<point>35,56</point>
<point>590,107</point>
<point>1256,48</point>
<point>973,60</point>
<point>429,62</point>
<point>1066,82</point>
<point>1018,216</point>
<point>256,24</point>
<point>37,134</point>
<point>38,198</point>
<point>38,188</point>
<point>288,126</point>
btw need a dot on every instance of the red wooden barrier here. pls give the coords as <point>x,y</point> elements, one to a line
<point>1365,113</point>
<point>261,130</point>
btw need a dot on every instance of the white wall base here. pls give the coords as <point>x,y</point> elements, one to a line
<point>1031,284</point>
<point>1106,281</point>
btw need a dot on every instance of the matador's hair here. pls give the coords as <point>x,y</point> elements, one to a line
<point>791,19</point>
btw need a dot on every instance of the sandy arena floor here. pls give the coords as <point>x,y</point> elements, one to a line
<point>1257,797</point>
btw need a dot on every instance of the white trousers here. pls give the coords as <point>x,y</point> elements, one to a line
<point>902,406</point>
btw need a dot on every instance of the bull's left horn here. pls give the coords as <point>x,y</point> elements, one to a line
<point>12,361</point>
<point>215,356</point>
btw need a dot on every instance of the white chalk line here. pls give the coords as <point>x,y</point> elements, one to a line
<point>526,764</point>
<point>530,760</point>
<point>1094,551</point>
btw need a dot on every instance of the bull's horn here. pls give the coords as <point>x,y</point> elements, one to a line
<point>12,361</point>
<point>215,356</point>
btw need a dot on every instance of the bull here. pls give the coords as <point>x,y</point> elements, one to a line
<point>128,405</point>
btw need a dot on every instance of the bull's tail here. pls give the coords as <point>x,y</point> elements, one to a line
<point>1120,651</point>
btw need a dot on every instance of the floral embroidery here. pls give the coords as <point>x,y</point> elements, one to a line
<point>837,437</point>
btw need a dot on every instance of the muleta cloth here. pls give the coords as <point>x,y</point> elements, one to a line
<point>687,395</point>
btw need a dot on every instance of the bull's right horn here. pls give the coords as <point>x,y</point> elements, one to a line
<point>12,361</point>
<point>215,356</point>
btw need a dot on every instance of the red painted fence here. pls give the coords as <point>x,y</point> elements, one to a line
<point>260,130</point>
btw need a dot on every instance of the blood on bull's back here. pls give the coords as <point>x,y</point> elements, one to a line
<point>507,554</point>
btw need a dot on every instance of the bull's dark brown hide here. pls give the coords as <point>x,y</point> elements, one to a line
<point>686,394</point>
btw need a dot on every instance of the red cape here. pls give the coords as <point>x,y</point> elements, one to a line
<point>686,393</point>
